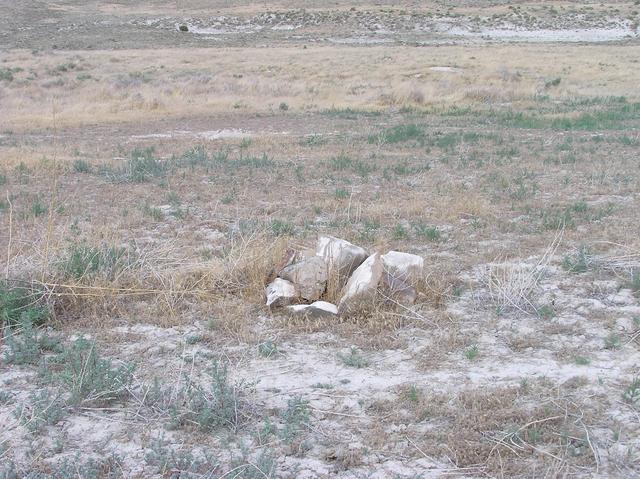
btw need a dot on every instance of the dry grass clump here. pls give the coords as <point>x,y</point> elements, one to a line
<point>497,430</point>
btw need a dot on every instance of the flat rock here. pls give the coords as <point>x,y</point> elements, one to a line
<point>319,309</point>
<point>362,285</point>
<point>340,255</point>
<point>406,267</point>
<point>280,292</point>
<point>309,277</point>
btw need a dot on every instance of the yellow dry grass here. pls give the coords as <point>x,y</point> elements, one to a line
<point>130,85</point>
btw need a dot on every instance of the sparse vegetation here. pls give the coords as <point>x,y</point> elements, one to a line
<point>151,190</point>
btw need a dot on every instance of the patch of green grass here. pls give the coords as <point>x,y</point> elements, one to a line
<point>25,344</point>
<point>38,208</point>
<point>634,283</point>
<point>341,193</point>
<point>613,341</point>
<point>6,75</point>
<point>340,163</point>
<point>546,312</point>
<point>471,352</point>
<point>314,140</point>
<point>294,418</point>
<point>282,228</point>
<point>400,232</point>
<point>354,359</point>
<point>431,233</point>
<point>152,212</point>
<point>350,113</point>
<point>579,261</point>
<point>142,166</point>
<point>81,166</point>
<point>398,134</point>
<point>21,304</point>
<point>86,376</point>
<point>43,408</point>
<point>582,360</point>
<point>82,260</point>
<point>631,393</point>
<point>267,349</point>
<point>218,404</point>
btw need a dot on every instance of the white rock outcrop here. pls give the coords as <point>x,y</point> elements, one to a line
<point>309,277</point>
<point>362,285</point>
<point>280,292</point>
<point>318,309</point>
<point>406,267</point>
<point>340,255</point>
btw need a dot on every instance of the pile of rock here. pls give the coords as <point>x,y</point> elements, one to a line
<point>359,275</point>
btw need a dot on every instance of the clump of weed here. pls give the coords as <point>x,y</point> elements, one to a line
<point>218,405</point>
<point>545,311</point>
<point>43,408</point>
<point>143,165</point>
<point>634,283</point>
<point>82,260</point>
<point>294,418</point>
<point>86,376</point>
<point>354,359</point>
<point>471,352</point>
<point>81,166</point>
<point>341,193</point>
<point>613,341</point>
<point>25,344</point>
<point>177,462</point>
<point>267,349</point>
<point>21,304</point>
<point>282,228</point>
<point>397,134</point>
<point>579,261</point>
<point>631,393</point>
<point>431,233</point>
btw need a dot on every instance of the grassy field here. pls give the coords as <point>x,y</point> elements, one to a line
<point>151,180</point>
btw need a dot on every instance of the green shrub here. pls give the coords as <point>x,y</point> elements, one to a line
<point>86,376</point>
<point>82,260</point>
<point>25,344</point>
<point>282,228</point>
<point>399,134</point>
<point>81,166</point>
<point>21,304</point>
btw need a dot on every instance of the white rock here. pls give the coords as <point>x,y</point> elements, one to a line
<point>340,255</point>
<point>406,267</point>
<point>319,309</point>
<point>309,276</point>
<point>362,285</point>
<point>280,292</point>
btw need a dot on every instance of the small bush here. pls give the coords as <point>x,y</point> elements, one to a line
<point>578,262</point>
<point>21,304</point>
<point>25,344</point>
<point>219,405</point>
<point>43,408</point>
<point>81,166</point>
<point>82,261</point>
<point>294,418</point>
<point>282,228</point>
<point>399,134</point>
<point>267,349</point>
<point>431,233</point>
<point>354,359</point>
<point>88,377</point>
<point>631,394</point>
